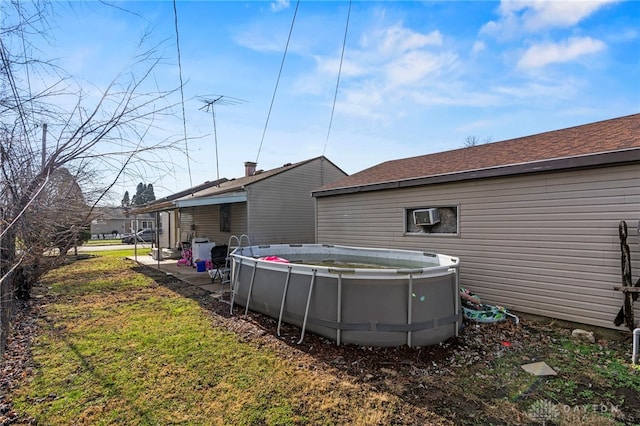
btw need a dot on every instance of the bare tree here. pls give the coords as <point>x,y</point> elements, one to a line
<point>52,176</point>
<point>54,223</point>
<point>470,141</point>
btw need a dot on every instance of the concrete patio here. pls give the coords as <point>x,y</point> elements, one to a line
<point>185,274</point>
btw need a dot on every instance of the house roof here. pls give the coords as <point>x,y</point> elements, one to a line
<point>590,145</point>
<point>110,212</point>
<point>228,190</point>
<point>166,203</point>
<point>239,184</point>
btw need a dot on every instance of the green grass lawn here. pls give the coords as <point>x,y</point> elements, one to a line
<point>117,348</point>
<point>105,242</point>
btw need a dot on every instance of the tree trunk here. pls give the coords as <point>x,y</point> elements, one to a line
<point>22,284</point>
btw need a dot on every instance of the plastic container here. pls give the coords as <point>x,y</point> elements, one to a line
<point>156,254</point>
<point>201,266</point>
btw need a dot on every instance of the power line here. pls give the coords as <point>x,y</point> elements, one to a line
<point>335,95</point>
<point>278,80</point>
<point>4,57</point>
<point>184,120</point>
<point>24,55</point>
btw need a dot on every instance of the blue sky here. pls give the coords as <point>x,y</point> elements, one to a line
<point>417,77</point>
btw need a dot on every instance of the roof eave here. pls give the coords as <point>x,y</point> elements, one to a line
<point>156,207</point>
<point>225,198</point>
<point>568,163</point>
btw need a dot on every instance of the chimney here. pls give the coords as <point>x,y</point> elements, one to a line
<point>249,168</point>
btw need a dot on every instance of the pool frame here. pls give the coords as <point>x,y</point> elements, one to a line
<point>416,303</point>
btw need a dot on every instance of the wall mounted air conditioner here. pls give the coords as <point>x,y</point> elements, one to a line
<point>426,216</point>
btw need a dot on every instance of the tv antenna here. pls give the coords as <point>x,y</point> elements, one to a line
<point>210,103</point>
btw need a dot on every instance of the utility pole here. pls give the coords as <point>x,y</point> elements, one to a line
<point>44,144</point>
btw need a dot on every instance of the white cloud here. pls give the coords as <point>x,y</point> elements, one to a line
<point>260,39</point>
<point>397,39</point>
<point>388,63</point>
<point>279,5</point>
<point>624,35</point>
<point>366,103</point>
<point>415,66</point>
<point>539,90</point>
<point>326,73</point>
<point>457,94</point>
<point>560,14</point>
<point>478,46</point>
<point>535,15</point>
<point>331,66</point>
<point>543,54</point>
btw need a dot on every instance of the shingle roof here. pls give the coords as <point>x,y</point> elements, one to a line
<point>111,212</point>
<point>506,157</point>
<point>239,183</point>
<point>166,203</point>
<point>223,186</point>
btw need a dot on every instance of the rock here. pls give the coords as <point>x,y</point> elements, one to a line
<point>337,361</point>
<point>583,335</point>
<point>539,369</point>
<point>389,372</point>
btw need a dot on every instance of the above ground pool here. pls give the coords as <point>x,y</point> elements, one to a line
<point>364,296</point>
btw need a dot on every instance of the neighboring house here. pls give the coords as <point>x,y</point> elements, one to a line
<point>167,215</point>
<point>273,206</point>
<point>534,220</point>
<point>112,221</point>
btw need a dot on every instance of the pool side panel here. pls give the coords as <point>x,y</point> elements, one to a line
<point>267,293</point>
<point>374,311</point>
<point>384,307</point>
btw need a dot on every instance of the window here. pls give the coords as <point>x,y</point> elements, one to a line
<point>225,217</point>
<point>431,220</point>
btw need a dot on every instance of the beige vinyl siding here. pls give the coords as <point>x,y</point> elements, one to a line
<point>207,222</point>
<point>543,243</point>
<point>238,221</point>
<point>281,209</point>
